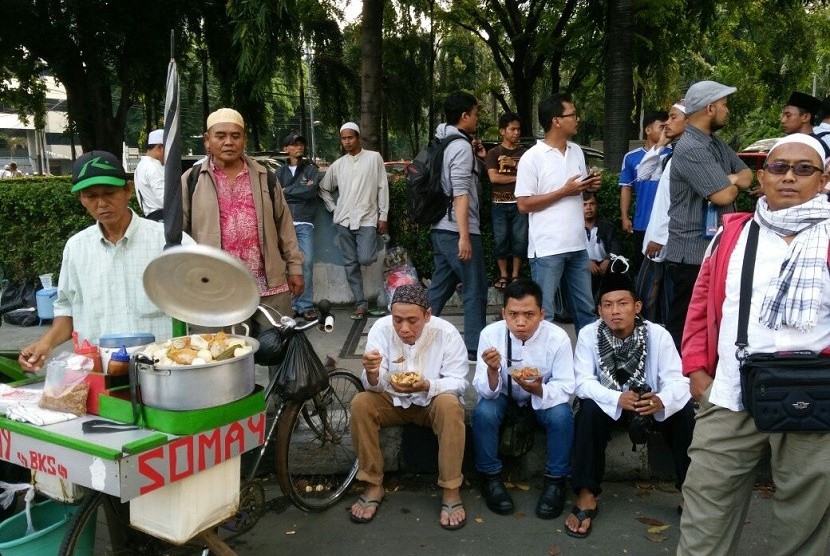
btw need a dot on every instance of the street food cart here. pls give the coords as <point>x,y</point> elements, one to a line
<point>175,460</point>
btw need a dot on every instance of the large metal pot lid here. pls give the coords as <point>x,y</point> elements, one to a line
<point>201,285</point>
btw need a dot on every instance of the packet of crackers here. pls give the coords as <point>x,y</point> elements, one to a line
<point>66,387</point>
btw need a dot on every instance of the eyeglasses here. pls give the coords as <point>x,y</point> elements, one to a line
<point>801,169</point>
<point>572,114</point>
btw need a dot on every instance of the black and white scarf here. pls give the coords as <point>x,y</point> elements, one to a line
<point>622,361</point>
<point>794,296</point>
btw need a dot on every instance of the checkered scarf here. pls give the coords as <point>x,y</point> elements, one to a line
<point>794,296</point>
<point>622,361</point>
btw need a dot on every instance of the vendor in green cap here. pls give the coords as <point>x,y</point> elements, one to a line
<point>100,288</point>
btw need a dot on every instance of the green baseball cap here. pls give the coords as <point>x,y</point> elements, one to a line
<point>97,168</point>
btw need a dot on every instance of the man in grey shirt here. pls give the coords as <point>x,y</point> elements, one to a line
<point>706,176</point>
<point>456,239</point>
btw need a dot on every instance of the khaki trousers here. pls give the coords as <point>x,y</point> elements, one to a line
<point>371,411</point>
<point>725,450</point>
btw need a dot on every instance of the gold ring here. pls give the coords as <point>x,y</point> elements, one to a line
<point>651,403</point>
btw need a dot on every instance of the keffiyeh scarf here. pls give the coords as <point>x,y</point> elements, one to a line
<point>622,361</point>
<point>794,296</point>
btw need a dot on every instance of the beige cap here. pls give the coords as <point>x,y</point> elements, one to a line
<point>225,116</point>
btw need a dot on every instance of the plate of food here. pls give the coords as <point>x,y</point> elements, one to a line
<point>407,378</point>
<point>526,374</point>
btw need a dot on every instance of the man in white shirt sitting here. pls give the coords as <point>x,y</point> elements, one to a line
<point>524,339</point>
<point>615,357</point>
<point>411,340</point>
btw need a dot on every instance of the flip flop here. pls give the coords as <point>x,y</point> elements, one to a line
<point>500,283</point>
<point>581,515</point>
<point>366,503</point>
<point>359,314</point>
<point>450,508</point>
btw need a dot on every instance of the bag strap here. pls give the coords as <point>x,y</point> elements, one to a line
<point>747,273</point>
<point>509,359</point>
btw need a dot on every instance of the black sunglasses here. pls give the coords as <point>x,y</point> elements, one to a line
<point>801,169</point>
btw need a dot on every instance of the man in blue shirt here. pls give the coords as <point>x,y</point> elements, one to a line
<point>644,190</point>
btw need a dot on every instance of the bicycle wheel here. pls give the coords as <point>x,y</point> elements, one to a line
<point>316,461</point>
<point>110,532</point>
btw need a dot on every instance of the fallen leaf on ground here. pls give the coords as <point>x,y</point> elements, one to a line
<point>656,537</point>
<point>479,520</point>
<point>522,486</point>
<point>509,485</point>
<point>519,515</point>
<point>290,532</point>
<point>650,521</point>
<point>554,551</point>
<point>658,528</point>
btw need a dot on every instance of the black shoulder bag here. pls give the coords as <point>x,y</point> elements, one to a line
<point>782,391</point>
<point>519,423</point>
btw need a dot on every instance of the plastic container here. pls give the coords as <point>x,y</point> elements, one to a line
<point>119,363</point>
<point>50,521</point>
<point>45,300</point>
<point>91,351</point>
<point>110,343</point>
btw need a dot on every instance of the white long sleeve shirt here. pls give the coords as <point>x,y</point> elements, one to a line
<point>549,350</point>
<point>363,190</point>
<point>658,223</point>
<point>149,184</point>
<point>663,373</point>
<point>439,354</point>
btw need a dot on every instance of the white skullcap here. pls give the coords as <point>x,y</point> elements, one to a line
<point>225,116</point>
<point>679,106</point>
<point>802,138</point>
<point>350,125</point>
<point>156,137</point>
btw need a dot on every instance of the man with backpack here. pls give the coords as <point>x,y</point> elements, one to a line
<point>456,238</point>
<point>234,205</point>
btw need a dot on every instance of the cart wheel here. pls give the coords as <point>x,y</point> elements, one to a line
<point>251,508</point>
<point>316,461</point>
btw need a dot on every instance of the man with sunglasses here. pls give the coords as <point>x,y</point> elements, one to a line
<point>706,176</point>
<point>789,312</point>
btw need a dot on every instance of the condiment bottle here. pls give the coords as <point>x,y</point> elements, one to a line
<point>91,351</point>
<point>119,364</point>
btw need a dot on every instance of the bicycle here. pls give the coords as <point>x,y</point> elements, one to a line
<point>315,461</point>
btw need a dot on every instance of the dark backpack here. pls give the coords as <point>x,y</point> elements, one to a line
<point>426,201</point>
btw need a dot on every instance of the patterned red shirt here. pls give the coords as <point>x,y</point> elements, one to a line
<point>238,224</point>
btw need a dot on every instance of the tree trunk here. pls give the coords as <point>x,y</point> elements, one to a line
<point>371,38</point>
<point>619,80</point>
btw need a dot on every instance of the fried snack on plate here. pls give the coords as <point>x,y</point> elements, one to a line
<point>407,378</point>
<point>526,374</point>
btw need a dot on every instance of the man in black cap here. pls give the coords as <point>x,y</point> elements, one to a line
<point>299,180</point>
<point>625,366</point>
<point>100,288</point>
<point>799,114</point>
<point>414,371</point>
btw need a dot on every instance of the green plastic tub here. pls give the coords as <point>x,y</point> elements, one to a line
<point>50,520</point>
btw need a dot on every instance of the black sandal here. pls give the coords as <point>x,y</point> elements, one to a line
<point>501,283</point>
<point>581,515</point>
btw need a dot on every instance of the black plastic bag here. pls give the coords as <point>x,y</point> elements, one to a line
<point>301,375</point>
<point>22,317</point>
<point>18,295</point>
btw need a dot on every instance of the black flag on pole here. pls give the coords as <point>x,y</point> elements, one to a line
<point>172,156</point>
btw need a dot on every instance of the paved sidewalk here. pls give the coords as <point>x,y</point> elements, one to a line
<point>407,521</point>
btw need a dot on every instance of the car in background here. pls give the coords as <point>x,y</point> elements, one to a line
<point>396,169</point>
<point>755,154</point>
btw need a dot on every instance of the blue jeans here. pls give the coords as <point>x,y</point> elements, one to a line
<point>449,271</point>
<point>571,267</point>
<point>557,421</point>
<point>509,231</point>
<point>358,248</point>
<point>305,239</point>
